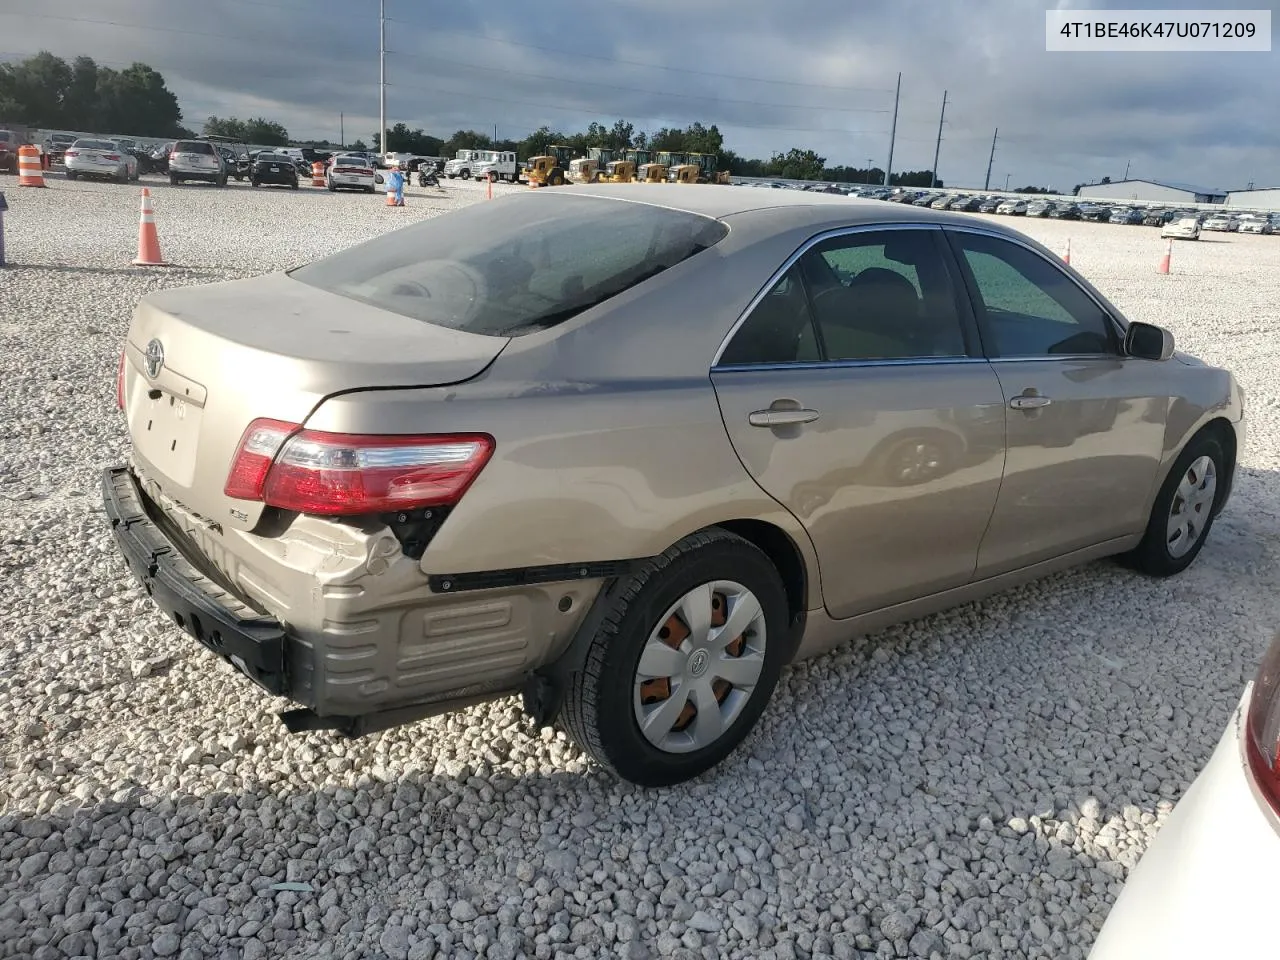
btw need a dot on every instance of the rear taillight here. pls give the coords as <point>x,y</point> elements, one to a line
<point>112,156</point>
<point>72,153</point>
<point>338,474</point>
<point>120,382</point>
<point>1262,727</point>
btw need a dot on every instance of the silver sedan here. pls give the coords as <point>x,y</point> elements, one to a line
<point>100,158</point>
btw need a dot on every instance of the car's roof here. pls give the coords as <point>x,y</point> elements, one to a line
<point>720,201</point>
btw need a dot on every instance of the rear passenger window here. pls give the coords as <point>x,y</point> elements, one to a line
<point>779,330</point>
<point>881,295</point>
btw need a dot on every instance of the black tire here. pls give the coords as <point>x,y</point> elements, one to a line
<point>598,710</point>
<point>293,185</point>
<point>221,181</point>
<point>368,190</point>
<point>1152,555</point>
<point>332,188</point>
<point>255,183</point>
<point>71,174</point>
<point>465,174</point>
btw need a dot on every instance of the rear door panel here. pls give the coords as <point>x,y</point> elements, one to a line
<point>895,481</point>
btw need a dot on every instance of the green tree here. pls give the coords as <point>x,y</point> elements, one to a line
<point>267,133</point>
<point>224,127</point>
<point>797,164</point>
<point>136,101</point>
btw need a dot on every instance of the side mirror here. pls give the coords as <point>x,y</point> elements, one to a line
<point>1146,341</point>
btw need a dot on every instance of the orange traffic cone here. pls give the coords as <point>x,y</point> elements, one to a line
<point>29,170</point>
<point>1067,259</point>
<point>489,187</point>
<point>391,197</point>
<point>1164,261</point>
<point>148,241</point>
<point>317,174</point>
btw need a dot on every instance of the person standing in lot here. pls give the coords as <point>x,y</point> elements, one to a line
<point>395,180</point>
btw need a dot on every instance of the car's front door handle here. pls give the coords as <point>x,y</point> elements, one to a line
<point>1026,402</point>
<point>781,418</point>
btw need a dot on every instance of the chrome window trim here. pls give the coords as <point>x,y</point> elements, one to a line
<point>791,262</point>
<point>841,364</point>
<point>1018,241</point>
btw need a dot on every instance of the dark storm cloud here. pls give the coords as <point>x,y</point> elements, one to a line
<point>1206,118</point>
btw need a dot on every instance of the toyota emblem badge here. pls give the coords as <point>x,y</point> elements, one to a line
<point>155,358</point>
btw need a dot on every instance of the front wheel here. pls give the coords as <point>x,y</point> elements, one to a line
<point>1184,510</point>
<point>293,185</point>
<point>683,663</point>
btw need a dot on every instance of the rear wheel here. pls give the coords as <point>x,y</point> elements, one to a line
<point>368,190</point>
<point>683,663</point>
<point>71,174</point>
<point>1183,511</point>
<point>293,185</point>
<point>332,188</point>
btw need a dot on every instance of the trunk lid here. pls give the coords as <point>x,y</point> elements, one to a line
<point>266,347</point>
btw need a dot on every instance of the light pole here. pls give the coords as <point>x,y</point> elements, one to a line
<point>1006,182</point>
<point>871,165</point>
<point>382,73</point>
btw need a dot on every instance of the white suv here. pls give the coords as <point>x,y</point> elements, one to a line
<point>196,160</point>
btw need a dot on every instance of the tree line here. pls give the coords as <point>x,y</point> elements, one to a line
<point>48,92</point>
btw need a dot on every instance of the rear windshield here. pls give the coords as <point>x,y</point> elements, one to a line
<point>6,137</point>
<point>349,161</point>
<point>95,145</point>
<point>193,146</point>
<point>510,268</point>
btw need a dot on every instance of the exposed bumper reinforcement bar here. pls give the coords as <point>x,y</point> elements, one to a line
<point>252,643</point>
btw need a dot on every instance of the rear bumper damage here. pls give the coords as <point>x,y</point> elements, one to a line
<point>363,648</point>
<point>221,623</point>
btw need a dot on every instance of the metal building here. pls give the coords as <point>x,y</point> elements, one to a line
<point>1266,198</point>
<point>1151,191</point>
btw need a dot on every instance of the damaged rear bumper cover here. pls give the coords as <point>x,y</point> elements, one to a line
<point>253,643</point>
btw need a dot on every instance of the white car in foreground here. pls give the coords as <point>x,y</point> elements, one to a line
<point>1206,887</point>
<point>1184,228</point>
<point>351,171</point>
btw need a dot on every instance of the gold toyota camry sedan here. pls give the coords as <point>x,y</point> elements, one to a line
<point>627,450</point>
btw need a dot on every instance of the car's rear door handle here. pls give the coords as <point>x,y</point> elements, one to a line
<point>781,418</point>
<point>1025,402</point>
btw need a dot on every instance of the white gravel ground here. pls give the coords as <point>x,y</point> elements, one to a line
<point>975,784</point>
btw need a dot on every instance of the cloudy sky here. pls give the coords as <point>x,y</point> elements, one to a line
<point>771,73</point>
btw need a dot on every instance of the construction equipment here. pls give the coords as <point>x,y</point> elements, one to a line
<point>550,169</point>
<point>584,170</point>
<point>652,173</point>
<point>545,171</point>
<point>619,171</point>
<point>637,157</point>
<point>708,164</point>
<point>686,173</point>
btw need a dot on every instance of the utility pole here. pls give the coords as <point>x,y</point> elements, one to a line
<point>1006,182</point>
<point>342,130</point>
<point>1126,168</point>
<point>382,73</point>
<point>893,131</point>
<point>871,165</point>
<point>991,159</point>
<point>495,134</point>
<point>937,147</point>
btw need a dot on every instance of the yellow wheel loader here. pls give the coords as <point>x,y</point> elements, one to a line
<point>550,169</point>
<point>686,173</point>
<point>619,171</point>
<point>652,173</point>
<point>584,170</point>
